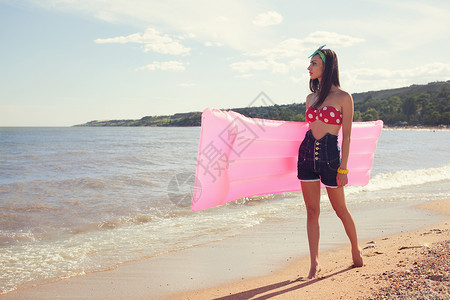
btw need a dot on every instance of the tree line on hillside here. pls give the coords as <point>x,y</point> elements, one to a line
<point>424,108</point>
<point>428,108</point>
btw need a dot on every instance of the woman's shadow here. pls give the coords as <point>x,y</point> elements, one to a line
<point>291,285</point>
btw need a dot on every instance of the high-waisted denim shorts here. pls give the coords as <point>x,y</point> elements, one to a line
<point>319,159</point>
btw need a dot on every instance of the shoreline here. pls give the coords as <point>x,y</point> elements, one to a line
<point>385,126</point>
<point>412,127</point>
<point>181,273</point>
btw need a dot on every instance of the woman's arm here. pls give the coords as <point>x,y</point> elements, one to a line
<point>347,119</point>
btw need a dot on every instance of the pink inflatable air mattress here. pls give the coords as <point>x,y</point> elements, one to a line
<point>242,157</point>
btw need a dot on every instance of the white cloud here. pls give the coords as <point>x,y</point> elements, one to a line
<point>188,35</point>
<point>152,40</point>
<point>244,75</point>
<point>298,63</point>
<point>260,65</point>
<point>187,84</point>
<point>420,22</point>
<point>280,68</point>
<point>288,48</point>
<point>274,58</point>
<point>331,39</point>
<point>398,26</point>
<point>224,22</point>
<point>175,66</point>
<point>364,79</point>
<point>210,44</point>
<point>106,16</point>
<point>247,65</point>
<point>267,19</point>
<point>297,47</point>
<point>433,69</point>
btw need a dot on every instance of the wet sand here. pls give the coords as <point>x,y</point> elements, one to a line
<point>412,265</point>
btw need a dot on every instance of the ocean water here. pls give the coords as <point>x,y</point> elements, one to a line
<point>78,200</point>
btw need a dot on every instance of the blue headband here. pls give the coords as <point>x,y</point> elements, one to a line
<point>322,56</point>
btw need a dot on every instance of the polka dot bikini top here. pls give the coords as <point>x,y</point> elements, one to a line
<point>327,114</point>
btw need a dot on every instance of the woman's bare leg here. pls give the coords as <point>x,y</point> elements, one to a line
<point>337,199</point>
<point>311,196</point>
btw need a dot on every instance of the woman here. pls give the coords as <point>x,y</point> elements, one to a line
<point>328,109</point>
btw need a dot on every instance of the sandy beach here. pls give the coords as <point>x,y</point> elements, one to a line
<point>411,264</point>
<point>207,272</point>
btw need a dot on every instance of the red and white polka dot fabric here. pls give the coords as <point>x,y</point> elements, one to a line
<point>327,114</point>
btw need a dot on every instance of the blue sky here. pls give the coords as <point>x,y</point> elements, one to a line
<point>66,62</point>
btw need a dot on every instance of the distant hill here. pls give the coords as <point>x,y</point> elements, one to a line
<point>176,120</point>
<point>415,88</point>
<point>414,105</point>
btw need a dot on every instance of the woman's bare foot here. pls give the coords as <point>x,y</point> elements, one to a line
<point>315,269</point>
<point>357,258</point>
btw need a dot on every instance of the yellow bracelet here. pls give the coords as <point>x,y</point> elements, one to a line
<point>342,171</point>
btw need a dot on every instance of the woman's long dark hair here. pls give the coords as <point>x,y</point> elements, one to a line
<point>330,76</point>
